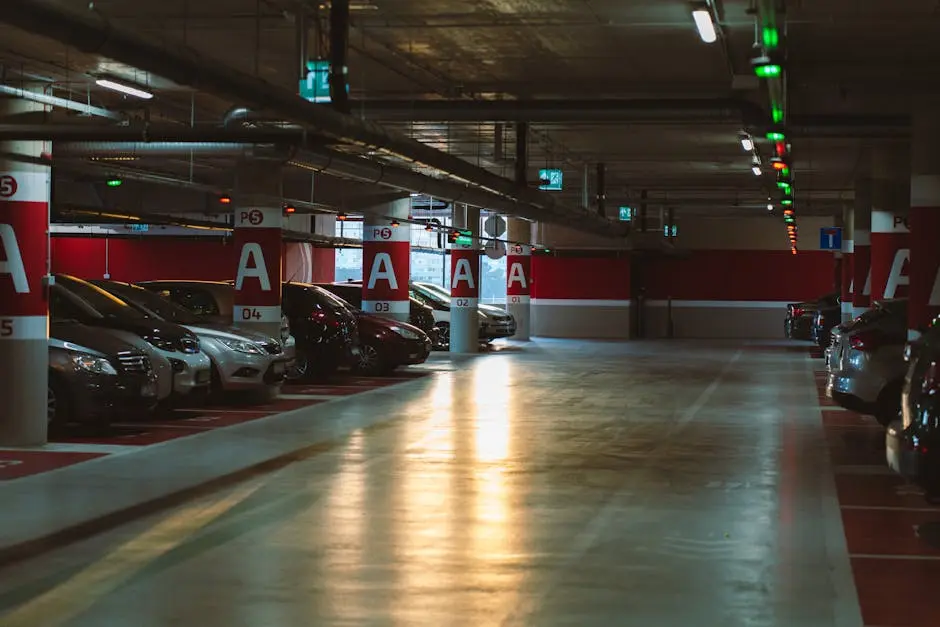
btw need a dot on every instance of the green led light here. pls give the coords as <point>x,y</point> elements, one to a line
<point>771,70</point>
<point>776,136</point>
<point>783,185</point>
<point>771,37</point>
<point>115,182</point>
<point>776,114</point>
<point>786,202</point>
<point>785,171</point>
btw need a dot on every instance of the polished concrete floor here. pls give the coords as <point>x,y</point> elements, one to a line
<point>648,484</point>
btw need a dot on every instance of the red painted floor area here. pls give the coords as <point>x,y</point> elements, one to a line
<point>181,423</point>
<point>895,571</point>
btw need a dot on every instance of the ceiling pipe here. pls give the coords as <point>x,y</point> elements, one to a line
<point>91,33</point>
<point>650,110</point>
<point>363,171</point>
<point>61,103</point>
<point>151,133</point>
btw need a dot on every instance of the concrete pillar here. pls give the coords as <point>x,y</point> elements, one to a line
<point>24,307</point>
<point>386,260</point>
<point>465,284</point>
<point>848,252</point>
<point>861,242</point>
<point>890,249</point>
<point>924,220</point>
<point>258,248</point>
<point>519,275</point>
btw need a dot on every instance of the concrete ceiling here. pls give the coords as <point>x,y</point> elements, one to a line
<point>852,66</point>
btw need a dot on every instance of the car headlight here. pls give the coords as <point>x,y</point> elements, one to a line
<point>90,363</point>
<point>408,334</point>
<point>161,343</point>
<point>240,346</point>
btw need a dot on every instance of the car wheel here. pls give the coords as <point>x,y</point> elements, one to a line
<point>888,405</point>
<point>371,360</point>
<point>58,405</point>
<point>443,333</point>
<point>300,369</point>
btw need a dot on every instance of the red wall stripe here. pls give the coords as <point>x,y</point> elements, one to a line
<point>602,278</point>
<point>169,258</point>
<point>761,275</point>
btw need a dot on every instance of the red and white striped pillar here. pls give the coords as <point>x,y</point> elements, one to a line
<point>845,267</point>
<point>24,305</point>
<point>924,303</point>
<point>519,275</point>
<point>258,250</point>
<point>861,245</point>
<point>386,261</point>
<point>890,250</point>
<point>465,284</point>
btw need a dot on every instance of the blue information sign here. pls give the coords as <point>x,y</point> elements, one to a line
<point>830,238</point>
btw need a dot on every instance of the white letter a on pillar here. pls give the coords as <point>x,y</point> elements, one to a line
<point>516,275</point>
<point>382,268</point>
<point>251,252</point>
<point>14,263</point>
<point>896,278</point>
<point>463,272</point>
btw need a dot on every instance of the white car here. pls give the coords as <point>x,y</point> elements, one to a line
<point>494,322</point>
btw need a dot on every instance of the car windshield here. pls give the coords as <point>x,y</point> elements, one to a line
<point>103,302</point>
<point>332,299</point>
<point>352,295</point>
<point>431,296</point>
<point>153,302</point>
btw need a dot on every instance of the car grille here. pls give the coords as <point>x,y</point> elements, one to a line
<point>189,345</point>
<point>134,364</point>
<point>273,348</point>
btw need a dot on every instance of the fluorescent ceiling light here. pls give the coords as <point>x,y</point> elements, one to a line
<point>756,170</point>
<point>124,88</point>
<point>705,25</point>
<point>747,143</point>
<point>770,207</point>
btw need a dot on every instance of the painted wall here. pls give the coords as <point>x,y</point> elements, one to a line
<point>150,258</point>
<point>729,278</point>
<point>585,295</point>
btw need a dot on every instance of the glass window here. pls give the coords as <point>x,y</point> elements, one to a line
<point>197,300</point>
<point>62,308</point>
<point>162,307</point>
<point>101,301</point>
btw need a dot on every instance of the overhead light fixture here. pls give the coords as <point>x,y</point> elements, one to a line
<point>703,22</point>
<point>289,209</point>
<point>746,142</point>
<point>114,182</point>
<point>756,170</point>
<point>770,207</point>
<point>395,223</point>
<point>124,88</point>
<point>766,67</point>
<point>225,200</point>
<point>341,216</point>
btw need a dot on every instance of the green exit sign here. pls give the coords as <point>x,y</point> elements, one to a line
<point>315,87</point>
<point>626,214</point>
<point>550,180</point>
<point>464,238</point>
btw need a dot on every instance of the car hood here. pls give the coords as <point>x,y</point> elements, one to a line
<point>146,326</point>
<point>75,336</point>
<point>385,323</point>
<point>227,332</point>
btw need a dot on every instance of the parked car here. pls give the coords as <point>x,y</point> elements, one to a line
<point>325,333</point>
<point>93,306</point>
<point>212,301</point>
<point>92,375</point>
<point>827,316</point>
<point>495,323</point>
<point>913,441</point>
<point>798,325</point>
<point>866,361</point>
<point>420,315</point>
<point>384,343</point>
<point>242,360</point>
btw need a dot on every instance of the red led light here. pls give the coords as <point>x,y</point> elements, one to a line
<point>225,200</point>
